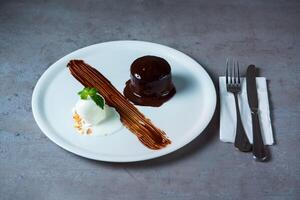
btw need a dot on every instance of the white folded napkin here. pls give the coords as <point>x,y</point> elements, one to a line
<point>228,112</point>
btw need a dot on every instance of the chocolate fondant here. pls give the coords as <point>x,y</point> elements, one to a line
<point>150,82</point>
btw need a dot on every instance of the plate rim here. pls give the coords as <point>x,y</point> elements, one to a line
<point>120,159</point>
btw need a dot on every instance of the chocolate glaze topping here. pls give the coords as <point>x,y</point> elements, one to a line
<point>150,82</point>
<point>135,121</point>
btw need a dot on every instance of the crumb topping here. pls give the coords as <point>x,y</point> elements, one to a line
<point>79,125</point>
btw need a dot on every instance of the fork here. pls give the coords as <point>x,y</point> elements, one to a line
<point>233,85</point>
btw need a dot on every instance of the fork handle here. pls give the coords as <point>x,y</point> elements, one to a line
<point>241,140</point>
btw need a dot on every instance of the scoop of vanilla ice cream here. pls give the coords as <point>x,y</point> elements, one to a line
<point>88,110</point>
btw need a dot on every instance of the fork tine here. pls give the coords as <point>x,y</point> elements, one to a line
<point>238,71</point>
<point>234,71</point>
<point>230,66</point>
<point>227,71</point>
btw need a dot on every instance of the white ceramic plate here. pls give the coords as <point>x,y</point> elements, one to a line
<point>183,117</point>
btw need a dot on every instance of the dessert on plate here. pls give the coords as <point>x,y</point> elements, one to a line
<point>150,82</point>
<point>151,136</point>
<point>92,116</point>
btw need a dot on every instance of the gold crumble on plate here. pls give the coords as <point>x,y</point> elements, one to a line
<point>79,125</point>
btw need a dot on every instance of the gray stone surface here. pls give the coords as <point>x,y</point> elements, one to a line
<point>34,34</point>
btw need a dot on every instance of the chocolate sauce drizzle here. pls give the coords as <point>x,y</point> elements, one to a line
<point>135,121</point>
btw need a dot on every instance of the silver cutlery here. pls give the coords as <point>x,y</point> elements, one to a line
<point>259,149</point>
<point>233,85</point>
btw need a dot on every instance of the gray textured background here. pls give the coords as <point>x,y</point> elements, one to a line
<point>34,34</point>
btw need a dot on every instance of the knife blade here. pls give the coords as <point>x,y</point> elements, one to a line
<point>259,149</point>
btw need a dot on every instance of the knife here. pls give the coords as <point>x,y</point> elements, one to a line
<point>259,149</point>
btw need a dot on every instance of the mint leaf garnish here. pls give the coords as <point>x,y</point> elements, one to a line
<point>84,93</point>
<point>98,100</point>
<point>93,93</point>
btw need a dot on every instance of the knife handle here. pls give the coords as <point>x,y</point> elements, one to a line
<point>259,149</point>
<point>241,140</point>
